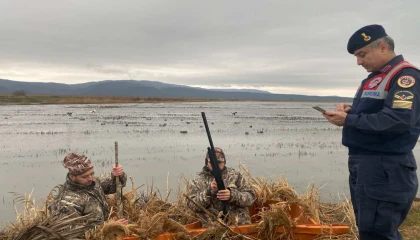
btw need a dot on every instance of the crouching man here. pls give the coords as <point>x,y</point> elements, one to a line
<point>239,194</point>
<point>84,195</point>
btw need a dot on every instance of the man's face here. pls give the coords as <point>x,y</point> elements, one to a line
<point>370,58</point>
<point>85,179</point>
<point>220,160</point>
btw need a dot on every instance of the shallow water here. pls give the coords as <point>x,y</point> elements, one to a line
<point>296,142</point>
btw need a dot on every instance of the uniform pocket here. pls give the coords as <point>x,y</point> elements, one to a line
<point>409,162</point>
<point>401,172</point>
<point>401,180</point>
<point>370,171</point>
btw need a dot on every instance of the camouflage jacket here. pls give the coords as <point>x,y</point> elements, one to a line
<point>89,200</point>
<point>242,195</point>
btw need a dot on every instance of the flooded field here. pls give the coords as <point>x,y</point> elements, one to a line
<point>271,139</point>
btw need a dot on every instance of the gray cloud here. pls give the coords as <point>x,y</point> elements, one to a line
<point>294,44</point>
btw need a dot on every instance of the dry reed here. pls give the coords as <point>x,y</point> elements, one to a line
<point>36,224</point>
<point>278,214</point>
<point>150,215</point>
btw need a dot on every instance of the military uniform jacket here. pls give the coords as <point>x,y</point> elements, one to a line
<point>90,200</point>
<point>384,118</point>
<point>242,195</point>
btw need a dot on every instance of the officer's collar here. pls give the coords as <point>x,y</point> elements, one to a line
<point>388,66</point>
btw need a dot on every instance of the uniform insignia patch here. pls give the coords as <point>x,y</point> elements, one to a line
<point>366,38</point>
<point>403,99</point>
<point>375,82</point>
<point>404,95</point>
<point>406,81</point>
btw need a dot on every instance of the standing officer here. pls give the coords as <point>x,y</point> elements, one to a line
<point>380,129</point>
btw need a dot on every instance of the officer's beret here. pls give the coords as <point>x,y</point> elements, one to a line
<point>365,36</point>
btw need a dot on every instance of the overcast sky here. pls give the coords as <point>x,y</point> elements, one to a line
<point>280,46</point>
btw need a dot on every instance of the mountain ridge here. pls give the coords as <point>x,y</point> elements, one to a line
<point>147,88</point>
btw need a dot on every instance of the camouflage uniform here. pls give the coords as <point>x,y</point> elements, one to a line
<point>242,196</point>
<point>86,200</point>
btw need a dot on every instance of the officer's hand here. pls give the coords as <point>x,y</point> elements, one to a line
<point>123,221</point>
<point>117,171</point>
<point>342,107</point>
<point>223,195</point>
<point>336,118</point>
<point>213,186</point>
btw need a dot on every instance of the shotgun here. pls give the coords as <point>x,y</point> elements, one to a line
<point>215,166</point>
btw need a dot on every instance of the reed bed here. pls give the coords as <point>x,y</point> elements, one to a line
<point>277,215</point>
<point>149,215</point>
<point>36,224</point>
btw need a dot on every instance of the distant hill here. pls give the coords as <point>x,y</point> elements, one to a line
<point>239,90</point>
<point>144,88</point>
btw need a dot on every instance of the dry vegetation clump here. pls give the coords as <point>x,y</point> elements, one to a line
<point>182,213</point>
<point>148,215</point>
<point>109,230</point>
<point>151,216</point>
<point>148,227</point>
<point>268,190</point>
<point>310,203</point>
<point>36,224</point>
<point>341,213</point>
<point>278,215</point>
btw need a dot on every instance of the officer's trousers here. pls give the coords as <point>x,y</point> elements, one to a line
<point>382,190</point>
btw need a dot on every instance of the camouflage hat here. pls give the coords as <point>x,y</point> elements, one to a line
<point>77,163</point>
<point>217,150</point>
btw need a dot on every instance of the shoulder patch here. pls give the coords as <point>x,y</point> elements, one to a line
<point>406,81</point>
<point>403,99</point>
<point>404,96</point>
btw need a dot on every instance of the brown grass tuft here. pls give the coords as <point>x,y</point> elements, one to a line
<point>36,224</point>
<point>271,219</point>
<point>149,216</point>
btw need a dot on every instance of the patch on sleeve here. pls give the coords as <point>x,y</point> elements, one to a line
<point>403,99</point>
<point>406,81</point>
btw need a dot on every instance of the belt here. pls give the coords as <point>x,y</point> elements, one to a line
<point>363,152</point>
